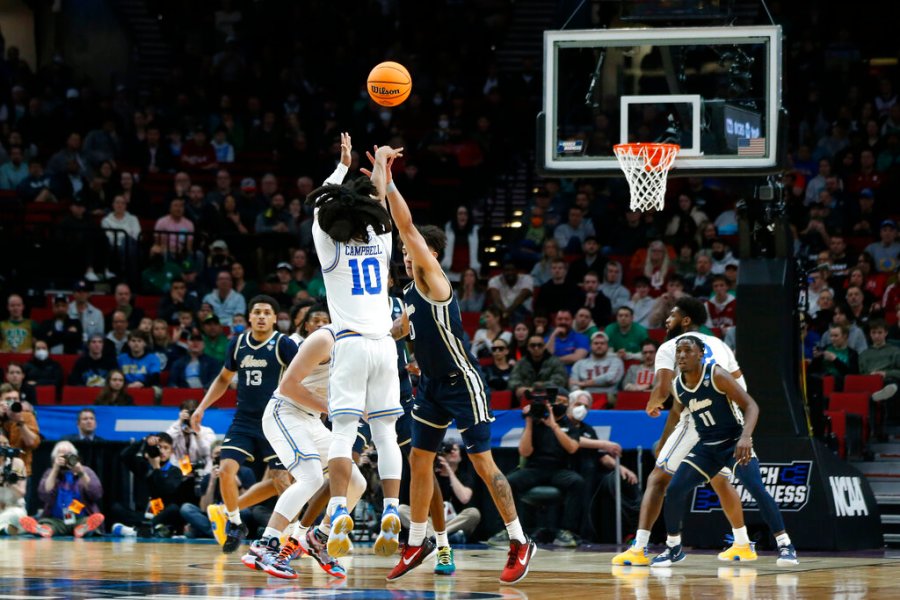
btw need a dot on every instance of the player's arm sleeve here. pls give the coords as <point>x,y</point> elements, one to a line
<point>337,177</point>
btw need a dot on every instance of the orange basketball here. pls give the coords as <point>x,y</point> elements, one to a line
<point>389,83</point>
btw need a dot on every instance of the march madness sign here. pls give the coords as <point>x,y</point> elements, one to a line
<point>787,483</point>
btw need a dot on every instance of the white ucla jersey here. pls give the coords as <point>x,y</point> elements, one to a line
<point>716,352</point>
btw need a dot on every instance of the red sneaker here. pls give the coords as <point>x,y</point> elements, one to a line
<point>31,525</point>
<point>93,522</point>
<point>412,557</point>
<point>518,560</point>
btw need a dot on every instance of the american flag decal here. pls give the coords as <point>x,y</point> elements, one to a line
<point>752,146</point>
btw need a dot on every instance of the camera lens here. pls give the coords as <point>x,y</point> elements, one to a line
<point>15,406</point>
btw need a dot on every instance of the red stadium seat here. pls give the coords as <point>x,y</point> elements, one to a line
<point>470,322</point>
<point>855,403</point>
<point>838,420</point>
<point>863,383</point>
<point>628,400</point>
<point>501,400</point>
<point>76,394</point>
<point>142,396</point>
<point>46,394</point>
<point>149,304</point>
<point>13,357</point>
<point>657,335</point>
<point>39,314</point>
<point>827,385</point>
<point>66,362</point>
<point>175,396</point>
<point>228,399</point>
<point>600,401</point>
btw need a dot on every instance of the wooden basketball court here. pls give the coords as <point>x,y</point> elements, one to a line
<point>49,569</point>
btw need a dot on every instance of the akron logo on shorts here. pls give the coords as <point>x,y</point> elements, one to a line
<point>787,483</point>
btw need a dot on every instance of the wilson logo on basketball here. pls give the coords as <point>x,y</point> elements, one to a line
<point>787,483</point>
<point>377,89</point>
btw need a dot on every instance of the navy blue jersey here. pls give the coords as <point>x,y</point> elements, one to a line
<point>402,358</point>
<point>715,416</point>
<point>435,328</point>
<point>259,367</point>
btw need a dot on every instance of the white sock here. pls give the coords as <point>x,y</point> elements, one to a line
<point>233,516</point>
<point>783,540</point>
<point>642,539</point>
<point>391,502</point>
<point>324,527</point>
<point>740,536</point>
<point>300,531</point>
<point>441,538</point>
<point>271,532</point>
<point>514,529</point>
<point>416,534</point>
<point>335,502</point>
<point>673,540</point>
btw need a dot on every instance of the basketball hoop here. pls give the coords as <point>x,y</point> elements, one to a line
<point>646,167</point>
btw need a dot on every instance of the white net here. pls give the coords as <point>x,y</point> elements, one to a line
<point>646,167</point>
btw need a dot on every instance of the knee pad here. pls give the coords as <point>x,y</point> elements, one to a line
<point>384,436</point>
<point>309,478</point>
<point>343,434</point>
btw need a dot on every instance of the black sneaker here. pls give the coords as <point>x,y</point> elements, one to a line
<point>234,535</point>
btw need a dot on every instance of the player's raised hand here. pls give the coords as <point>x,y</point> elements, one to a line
<point>346,149</point>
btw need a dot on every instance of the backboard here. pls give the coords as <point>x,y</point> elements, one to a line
<point>715,91</point>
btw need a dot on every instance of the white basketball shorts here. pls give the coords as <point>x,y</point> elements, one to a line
<point>295,433</point>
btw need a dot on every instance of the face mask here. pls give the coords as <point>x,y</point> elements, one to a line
<point>579,412</point>
<point>559,410</point>
<point>41,354</point>
<point>239,329</point>
<point>284,325</point>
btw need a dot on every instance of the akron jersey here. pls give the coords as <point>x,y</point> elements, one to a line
<point>716,417</point>
<point>406,389</point>
<point>435,328</point>
<point>259,366</point>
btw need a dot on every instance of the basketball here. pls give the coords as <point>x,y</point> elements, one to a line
<point>389,84</point>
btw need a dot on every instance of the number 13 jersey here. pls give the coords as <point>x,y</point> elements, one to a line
<point>259,366</point>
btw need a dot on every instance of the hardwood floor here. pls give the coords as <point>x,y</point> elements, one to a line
<point>36,568</point>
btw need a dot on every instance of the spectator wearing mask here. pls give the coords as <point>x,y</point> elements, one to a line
<point>19,425</point>
<point>141,368</point>
<point>538,368</point>
<point>12,491</point>
<point>114,392</point>
<point>87,427</point>
<point>62,332</point>
<point>195,370</point>
<point>639,378</point>
<point>16,332</point>
<point>41,369</point>
<point>565,344</point>
<point>599,373</point>
<point>92,368</point>
<point>70,493</point>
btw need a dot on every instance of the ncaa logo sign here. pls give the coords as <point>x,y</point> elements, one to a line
<point>848,497</point>
<point>787,483</point>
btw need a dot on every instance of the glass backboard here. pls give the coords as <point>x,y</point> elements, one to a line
<point>715,91</point>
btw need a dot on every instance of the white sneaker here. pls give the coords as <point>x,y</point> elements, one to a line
<point>91,276</point>
<point>884,393</point>
<point>109,274</point>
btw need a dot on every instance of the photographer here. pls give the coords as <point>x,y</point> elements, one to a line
<point>70,493</point>
<point>547,444</point>
<point>194,514</point>
<point>537,367</point>
<point>19,425</point>
<point>160,486</point>
<point>188,443</point>
<point>12,487</point>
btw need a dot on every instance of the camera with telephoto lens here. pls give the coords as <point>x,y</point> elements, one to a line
<point>14,406</point>
<point>8,452</point>
<point>7,475</point>
<point>150,451</point>
<point>539,397</point>
<point>70,460</point>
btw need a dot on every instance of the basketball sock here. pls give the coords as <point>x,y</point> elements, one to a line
<point>391,502</point>
<point>234,516</point>
<point>740,536</point>
<point>271,532</point>
<point>673,540</point>
<point>300,531</point>
<point>783,540</point>
<point>335,502</point>
<point>641,538</point>
<point>324,528</point>
<point>441,539</point>
<point>514,529</point>
<point>416,534</point>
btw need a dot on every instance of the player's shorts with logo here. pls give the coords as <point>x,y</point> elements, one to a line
<point>682,441</point>
<point>296,433</point>
<point>709,458</point>
<point>364,364</point>
<point>455,396</point>
<point>245,441</point>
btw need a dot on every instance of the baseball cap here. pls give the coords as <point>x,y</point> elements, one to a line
<point>188,266</point>
<point>248,184</point>
<point>211,318</point>
<point>732,263</point>
<point>600,334</point>
<point>284,265</point>
<point>81,286</point>
<point>889,223</point>
<point>60,299</point>
<point>219,245</point>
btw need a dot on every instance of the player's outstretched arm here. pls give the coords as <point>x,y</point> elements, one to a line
<point>315,350</point>
<point>212,395</point>
<point>726,383</point>
<point>337,177</point>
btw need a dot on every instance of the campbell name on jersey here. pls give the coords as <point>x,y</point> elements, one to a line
<point>258,367</point>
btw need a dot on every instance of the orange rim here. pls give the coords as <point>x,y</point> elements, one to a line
<point>655,152</point>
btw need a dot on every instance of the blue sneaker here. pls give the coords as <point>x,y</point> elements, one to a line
<point>444,564</point>
<point>388,539</point>
<point>257,551</point>
<point>668,558</point>
<point>339,543</point>
<point>277,562</point>
<point>787,556</point>
<point>234,535</point>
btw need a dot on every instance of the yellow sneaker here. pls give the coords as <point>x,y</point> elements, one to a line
<point>216,514</point>
<point>633,557</point>
<point>738,553</point>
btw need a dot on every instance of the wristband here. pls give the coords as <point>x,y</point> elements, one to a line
<point>391,187</point>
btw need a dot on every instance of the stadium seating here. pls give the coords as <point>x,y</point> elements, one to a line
<point>76,394</point>
<point>838,421</point>
<point>501,400</point>
<point>600,401</point>
<point>175,396</point>
<point>863,383</point>
<point>855,403</point>
<point>628,400</point>
<point>46,394</point>
<point>142,396</point>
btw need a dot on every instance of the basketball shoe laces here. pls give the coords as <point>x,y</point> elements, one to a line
<point>513,556</point>
<point>287,551</point>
